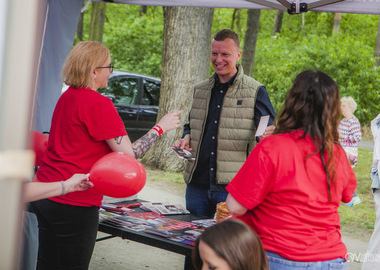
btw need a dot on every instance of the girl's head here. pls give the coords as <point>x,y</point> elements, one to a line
<point>229,245</point>
<point>312,105</point>
<point>83,61</point>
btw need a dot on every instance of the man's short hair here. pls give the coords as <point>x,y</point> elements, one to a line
<point>227,33</point>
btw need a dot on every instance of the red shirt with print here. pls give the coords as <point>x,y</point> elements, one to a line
<point>83,119</point>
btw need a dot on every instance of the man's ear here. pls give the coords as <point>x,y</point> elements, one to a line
<point>239,54</point>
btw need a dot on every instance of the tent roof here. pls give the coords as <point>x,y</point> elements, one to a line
<point>339,6</point>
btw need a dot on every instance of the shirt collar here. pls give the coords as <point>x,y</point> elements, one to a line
<point>229,82</point>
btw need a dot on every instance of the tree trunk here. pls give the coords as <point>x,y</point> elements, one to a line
<point>98,15</point>
<point>186,55</point>
<point>278,22</point>
<point>80,28</point>
<point>143,10</point>
<point>337,20</point>
<point>250,39</point>
<point>233,19</point>
<point>377,46</point>
<point>236,20</point>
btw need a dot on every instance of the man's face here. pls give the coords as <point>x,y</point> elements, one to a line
<point>224,57</point>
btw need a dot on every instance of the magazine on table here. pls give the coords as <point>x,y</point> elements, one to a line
<point>121,210</point>
<point>164,208</point>
<point>128,222</point>
<point>176,230</point>
<point>205,223</point>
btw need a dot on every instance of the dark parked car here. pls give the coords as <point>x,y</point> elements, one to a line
<point>136,99</point>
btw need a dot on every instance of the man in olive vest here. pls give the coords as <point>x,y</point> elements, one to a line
<point>225,113</point>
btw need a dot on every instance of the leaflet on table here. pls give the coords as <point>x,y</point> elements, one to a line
<point>176,230</point>
<point>122,210</point>
<point>164,208</point>
<point>104,215</point>
<point>204,222</point>
<point>172,229</point>
<point>182,153</point>
<point>131,223</point>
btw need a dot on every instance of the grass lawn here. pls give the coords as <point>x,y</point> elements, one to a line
<point>356,220</point>
<point>360,218</point>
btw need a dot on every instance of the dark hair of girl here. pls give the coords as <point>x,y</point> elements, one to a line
<point>313,106</point>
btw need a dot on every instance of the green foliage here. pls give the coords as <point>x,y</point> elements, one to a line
<point>134,39</point>
<point>306,42</point>
<point>345,57</point>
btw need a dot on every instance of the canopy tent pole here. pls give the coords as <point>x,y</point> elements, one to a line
<point>323,3</point>
<point>20,43</point>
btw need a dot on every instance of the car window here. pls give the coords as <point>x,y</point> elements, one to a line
<point>122,90</point>
<point>151,93</point>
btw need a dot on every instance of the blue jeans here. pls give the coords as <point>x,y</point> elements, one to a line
<point>276,262</point>
<point>202,202</point>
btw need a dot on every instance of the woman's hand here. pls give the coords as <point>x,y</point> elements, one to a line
<point>170,121</point>
<point>77,182</point>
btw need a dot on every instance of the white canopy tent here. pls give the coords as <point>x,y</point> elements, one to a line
<point>341,6</point>
<point>28,45</point>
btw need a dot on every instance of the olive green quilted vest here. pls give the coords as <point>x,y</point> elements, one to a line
<point>236,133</point>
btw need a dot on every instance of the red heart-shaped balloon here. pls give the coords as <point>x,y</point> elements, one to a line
<point>118,175</point>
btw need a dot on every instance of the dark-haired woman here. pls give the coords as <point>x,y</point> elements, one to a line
<point>291,185</point>
<point>229,245</point>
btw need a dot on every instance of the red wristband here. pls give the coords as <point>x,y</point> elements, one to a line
<point>158,129</point>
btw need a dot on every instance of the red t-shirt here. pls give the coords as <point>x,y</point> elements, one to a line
<point>83,119</point>
<point>285,192</point>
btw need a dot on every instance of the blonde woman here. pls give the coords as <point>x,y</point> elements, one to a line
<point>350,135</point>
<point>85,127</point>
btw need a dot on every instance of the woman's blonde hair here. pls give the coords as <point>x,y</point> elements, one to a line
<point>82,60</point>
<point>350,102</point>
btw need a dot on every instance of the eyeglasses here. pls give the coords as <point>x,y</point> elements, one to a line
<point>110,67</point>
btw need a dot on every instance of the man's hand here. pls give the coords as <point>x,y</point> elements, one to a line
<point>184,143</point>
<point>268,131</point>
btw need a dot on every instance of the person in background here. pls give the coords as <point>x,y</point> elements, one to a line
<point>85,127</point>
<point>225,113</point>
<point>350,135</point>
<point>372,256</point>
<point>229,245</point>
<point>290,188</point>
<point>36,191</point>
